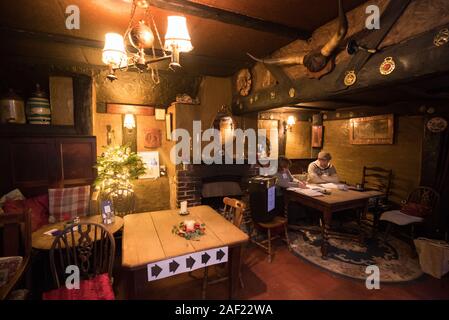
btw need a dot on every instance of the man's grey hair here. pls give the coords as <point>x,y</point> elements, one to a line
<point>325,156</point>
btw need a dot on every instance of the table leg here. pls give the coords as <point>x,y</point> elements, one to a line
<point>234,270</point>
<point>325,227</point>
<point>363,213</point>
<point>286,204</point>
<point>131,285</point>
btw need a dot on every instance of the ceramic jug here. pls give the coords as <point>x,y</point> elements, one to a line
<point>38,108</point>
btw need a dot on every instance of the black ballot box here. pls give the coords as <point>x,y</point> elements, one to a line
<point>262,198</point>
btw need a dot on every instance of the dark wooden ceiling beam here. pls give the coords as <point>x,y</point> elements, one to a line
<point>392,13</point>
<point>371,86</point>
<point>230,17</point>
<point>222,66</point>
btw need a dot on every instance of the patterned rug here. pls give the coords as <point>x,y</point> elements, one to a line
<point>350,258</point>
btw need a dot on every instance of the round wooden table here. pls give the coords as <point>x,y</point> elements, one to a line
<point>42,241</point>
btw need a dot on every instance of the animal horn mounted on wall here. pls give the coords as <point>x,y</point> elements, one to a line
<point>316,61</point>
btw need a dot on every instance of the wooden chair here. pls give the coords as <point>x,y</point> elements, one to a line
<point>90,247</point>
<point>279,222</point>
<point>16,245</point>
<point>378,179</point>
<point>233,211</point>
<point>421,196</point>
<point>123,201</point>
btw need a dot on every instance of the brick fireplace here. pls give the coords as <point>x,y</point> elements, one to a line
<point>191,178</point>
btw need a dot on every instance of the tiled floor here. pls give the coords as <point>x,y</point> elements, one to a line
<point>289,277</point>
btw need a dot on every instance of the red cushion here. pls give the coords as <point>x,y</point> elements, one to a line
<point>38,206</point>
<point>98,288</point>
<point>416,209</point>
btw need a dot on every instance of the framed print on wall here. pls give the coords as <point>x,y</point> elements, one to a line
<point>168,125</point>
<point>159,114</point>
<point>372,130</point>
<point>317,136</point>
<point>151,160</point>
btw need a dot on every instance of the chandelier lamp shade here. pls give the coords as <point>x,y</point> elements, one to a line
<point>177,38</point>
<point>114,53</point>
<point>140,37</point>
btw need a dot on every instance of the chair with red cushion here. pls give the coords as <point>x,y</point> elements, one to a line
<point>420,204</point>
<point>91,248</point>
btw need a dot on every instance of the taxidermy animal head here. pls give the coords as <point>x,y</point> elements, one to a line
<point>316,60</point>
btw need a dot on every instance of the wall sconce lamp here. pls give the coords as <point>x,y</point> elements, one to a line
<point>288,125</point>
<point>129,122</point>
<point>129,136</point>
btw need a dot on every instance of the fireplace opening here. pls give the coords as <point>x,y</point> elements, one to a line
<point>201,184</point>
<point>215,188</point>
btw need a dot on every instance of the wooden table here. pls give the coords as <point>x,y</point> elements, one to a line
<point>337,201</point>
<point>148,238</point>
<point>41,241</point>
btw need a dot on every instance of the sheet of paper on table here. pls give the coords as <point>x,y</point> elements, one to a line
<point>333,186</point>
<point>307,192</point>
<point>50,232</point>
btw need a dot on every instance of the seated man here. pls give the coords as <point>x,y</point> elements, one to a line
<point>322,171</point>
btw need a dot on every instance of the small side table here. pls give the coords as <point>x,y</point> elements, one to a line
<point>41,241</point>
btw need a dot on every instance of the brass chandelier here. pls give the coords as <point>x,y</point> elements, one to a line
<point>141,36</point>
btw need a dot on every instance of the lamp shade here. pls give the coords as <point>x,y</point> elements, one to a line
<point>129,121</point>
<point>114,51</point>
<point>291,121</point>
<point>177,35</point>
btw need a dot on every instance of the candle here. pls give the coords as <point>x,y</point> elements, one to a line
<point>183,206</point>
<point>190,225</point>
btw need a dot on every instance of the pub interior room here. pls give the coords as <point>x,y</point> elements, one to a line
<point>215,150</point>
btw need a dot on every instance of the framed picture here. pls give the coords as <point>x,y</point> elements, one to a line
<point>107,213</point>
<point>151,160</point>
<point>317,136</point>
<point>168,125</point>
<point>159,114</point>
<point>372,130</point>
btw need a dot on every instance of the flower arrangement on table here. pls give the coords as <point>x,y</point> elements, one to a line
<point>189,229</point>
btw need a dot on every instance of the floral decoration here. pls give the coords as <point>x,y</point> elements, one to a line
<point>189,229</point>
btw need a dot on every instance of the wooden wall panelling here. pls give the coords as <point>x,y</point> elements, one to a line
<point>78,156</point>
<point>34,164</point>
<point>26,164</point>
<point>128,108</point>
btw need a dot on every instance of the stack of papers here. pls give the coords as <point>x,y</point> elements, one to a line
<point>330,185</point>
<point>307,192</point>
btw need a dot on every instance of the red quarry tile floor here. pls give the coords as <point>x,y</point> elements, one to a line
<point>291,278</point>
